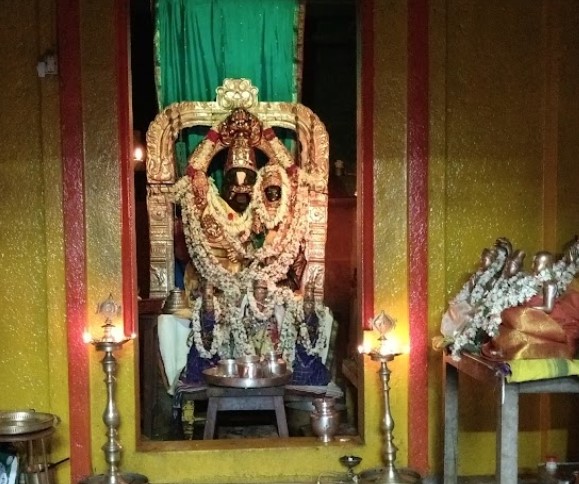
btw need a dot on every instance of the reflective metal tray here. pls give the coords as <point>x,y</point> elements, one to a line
<point>25,422</point>
<point>213,377</point>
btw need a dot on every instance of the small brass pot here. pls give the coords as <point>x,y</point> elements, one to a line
<point>273,364</point>
<point>249,367</point>
<point>325,419</point>
<point>227,367</point>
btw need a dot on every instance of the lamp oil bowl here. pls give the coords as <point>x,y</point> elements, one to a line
<point>350,461</point>
<point>325,419</point>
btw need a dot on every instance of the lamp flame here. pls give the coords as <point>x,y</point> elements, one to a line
<point>110,333</point>
<point>87,337</point>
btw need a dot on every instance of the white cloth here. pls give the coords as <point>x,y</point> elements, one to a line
<point>327,323</point>
<point>173,335</point>
<point>9,468</point>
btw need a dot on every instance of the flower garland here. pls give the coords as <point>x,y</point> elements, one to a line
<point>270,263</point>
<point>268,305</point>
<point>482,277</point>
<point>202,257</point>
<point>507,293</point>
<point>284,296</point>
<point>220,332</point>
<point>255,320</point>
<point>239,339</point>
<point>283,251</point>
<point>322,313</point>
<point>288,337</point>
<point>564,273</point>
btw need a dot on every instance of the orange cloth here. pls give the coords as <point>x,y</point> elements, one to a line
<point>527,333</point>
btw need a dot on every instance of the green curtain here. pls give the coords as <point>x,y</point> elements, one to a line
<point>198,43</point>
<point>201,42</point>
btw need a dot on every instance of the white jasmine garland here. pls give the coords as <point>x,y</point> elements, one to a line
<point>240,340</point>
<point>256,319</point>
<point>220,331</point>
<point>288,330</point>
<point>563,274</point>
<point>473,294</point>
<point>271,263</point>
<point>486,318</point>
<point>303,338</point>
<point>201,254</point>
<point>507,293</point>
<point>268,305</point>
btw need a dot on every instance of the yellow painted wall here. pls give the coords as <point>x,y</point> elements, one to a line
<point>32,326</point>
<point>503,161</point>
<point>491,138</point>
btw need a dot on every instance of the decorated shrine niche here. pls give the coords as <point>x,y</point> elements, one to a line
<point>241,229</point>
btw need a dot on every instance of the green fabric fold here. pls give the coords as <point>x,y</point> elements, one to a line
<point>541,369</point>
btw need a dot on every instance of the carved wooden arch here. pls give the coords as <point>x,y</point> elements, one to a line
<point>312,157</point>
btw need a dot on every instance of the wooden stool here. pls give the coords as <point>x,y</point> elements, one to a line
<point>226,398</point>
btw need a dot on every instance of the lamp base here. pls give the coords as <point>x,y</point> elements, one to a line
<point>122,478</point>
<point>381,475</point>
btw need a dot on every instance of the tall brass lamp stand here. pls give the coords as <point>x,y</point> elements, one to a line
<point>384,354</point>
<point>109,343</point>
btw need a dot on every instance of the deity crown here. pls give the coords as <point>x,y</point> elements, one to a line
<point>241,131</point>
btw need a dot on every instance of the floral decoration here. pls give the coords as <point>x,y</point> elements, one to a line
<point>488,293</point>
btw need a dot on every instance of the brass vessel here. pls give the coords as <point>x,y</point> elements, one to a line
<point>176,300</point>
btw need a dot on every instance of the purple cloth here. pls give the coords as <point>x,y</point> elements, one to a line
<point>196,364</point>
<point>309,369</point>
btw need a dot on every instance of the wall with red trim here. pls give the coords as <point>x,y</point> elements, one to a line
<point>501,111</point>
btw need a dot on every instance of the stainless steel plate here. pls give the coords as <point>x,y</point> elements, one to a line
<point>213,377</point>
<point>25,422</point>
